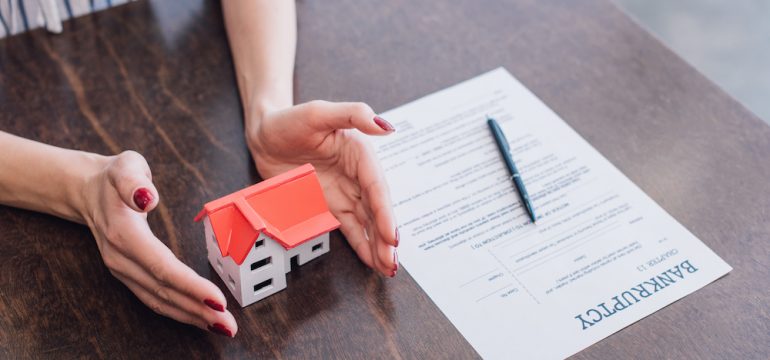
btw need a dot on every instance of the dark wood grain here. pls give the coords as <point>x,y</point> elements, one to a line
<point>157,77</point>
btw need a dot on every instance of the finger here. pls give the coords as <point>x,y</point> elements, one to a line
<point>152,255</point>
<point>168,270</point>
<point>128,270</point>
<point>378,206</point>
<point>328,116</point>
<point>364,218</point>
<point>382,253</point>
<point>130,175</point>
<point>165,308</point>
<point>376,196</point>
<point>159,306</point>
<point>388,258</point>
<point>354,233</point>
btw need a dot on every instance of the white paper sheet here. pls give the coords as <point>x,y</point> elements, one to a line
<point>602,255</point>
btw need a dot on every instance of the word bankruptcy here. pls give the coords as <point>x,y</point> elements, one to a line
<point>634,295</point>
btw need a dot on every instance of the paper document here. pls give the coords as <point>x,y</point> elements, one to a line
<point>601,256</point>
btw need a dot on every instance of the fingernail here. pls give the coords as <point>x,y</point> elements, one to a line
<point>214,305</point>
<point>384,124</point>
<point>398,237</point>
<point>142,198</point>
<point>220,329</point>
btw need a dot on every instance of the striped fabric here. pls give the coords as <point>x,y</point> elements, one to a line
<point>17,16</point>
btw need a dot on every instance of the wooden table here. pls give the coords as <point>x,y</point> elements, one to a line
<point>157,77</point>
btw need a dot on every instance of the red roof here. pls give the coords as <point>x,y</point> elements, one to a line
<point>290,208</point>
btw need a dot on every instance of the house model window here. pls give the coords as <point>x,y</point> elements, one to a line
<point>252,234</point>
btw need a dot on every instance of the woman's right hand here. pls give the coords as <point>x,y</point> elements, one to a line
<point>117,195</point>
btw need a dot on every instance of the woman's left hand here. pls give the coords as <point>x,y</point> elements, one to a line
<point>331,136</point>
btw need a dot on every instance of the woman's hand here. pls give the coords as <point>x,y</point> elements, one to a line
<point>331,137</point>
<point>116,198</point>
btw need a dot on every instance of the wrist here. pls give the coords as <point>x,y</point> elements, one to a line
<point>256,108</point>
<point>45,178</point>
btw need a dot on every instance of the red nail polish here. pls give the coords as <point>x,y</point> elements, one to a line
<point>214,305</point>
<point>220,329</point>
<point>142,198</point>
<point>398,237</point>
<point>384,124</point>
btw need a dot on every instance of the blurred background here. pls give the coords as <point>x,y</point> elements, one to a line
<point>727,40</point>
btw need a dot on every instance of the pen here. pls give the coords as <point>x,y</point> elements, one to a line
<point>505,151</point>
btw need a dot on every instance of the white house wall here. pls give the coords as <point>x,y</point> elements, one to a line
<point>273,270</point>
<point>240,279</point>
<point>227,269</point>
<point>305,251</point>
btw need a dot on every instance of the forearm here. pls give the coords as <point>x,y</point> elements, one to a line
<point>263,38</point>
<point>44,178</point>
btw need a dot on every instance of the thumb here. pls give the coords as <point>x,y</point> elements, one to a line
<point>329,116</point>
<point>130,174</point>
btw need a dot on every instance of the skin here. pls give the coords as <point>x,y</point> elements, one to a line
<point>98,191</point>
<point>113,194</point>
<point>331,136</point>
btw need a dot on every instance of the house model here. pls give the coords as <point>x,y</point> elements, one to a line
<point>253,234</point>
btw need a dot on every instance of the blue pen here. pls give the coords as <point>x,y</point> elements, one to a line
<point>505,151</point>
